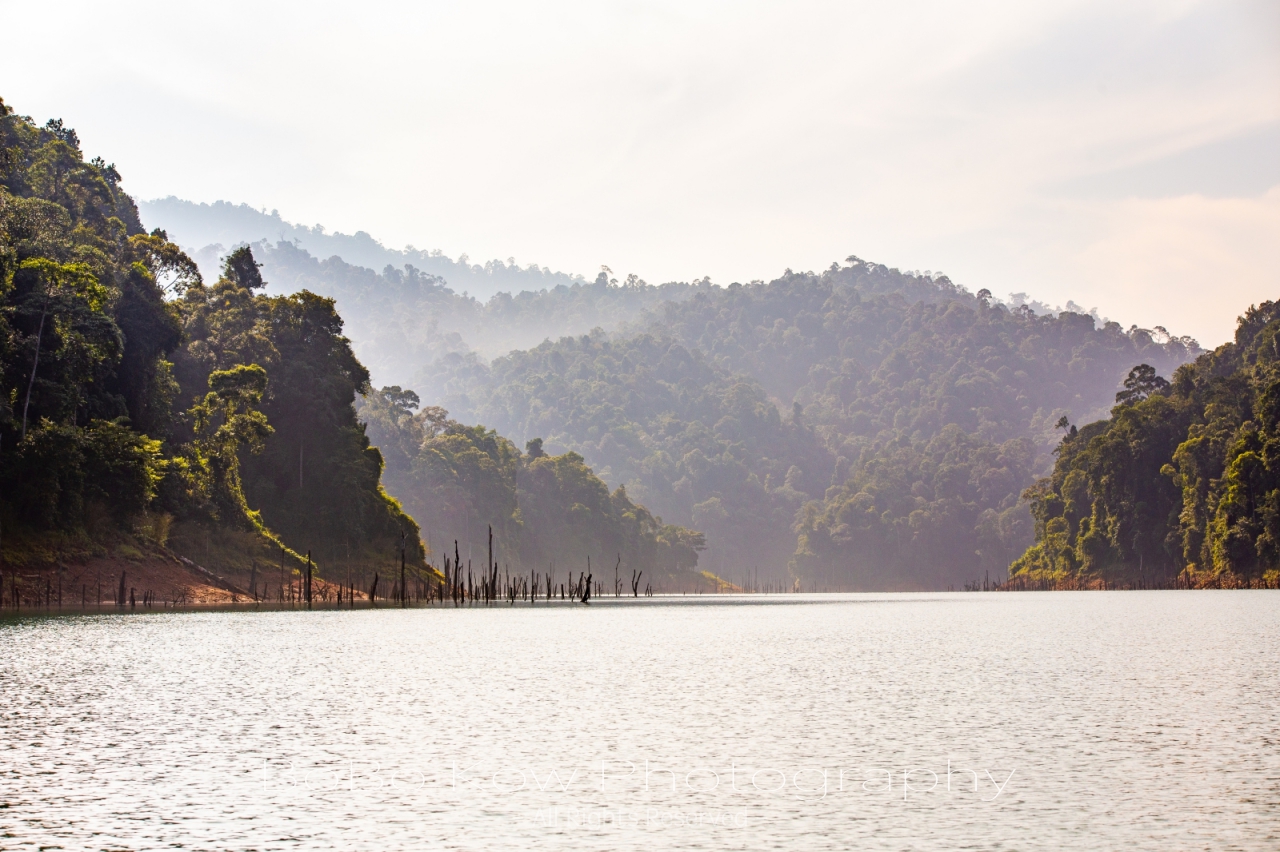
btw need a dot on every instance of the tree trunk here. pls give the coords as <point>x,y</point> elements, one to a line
<point>34,364</point>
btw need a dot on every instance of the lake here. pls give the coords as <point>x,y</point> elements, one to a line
<point>1095,720</point>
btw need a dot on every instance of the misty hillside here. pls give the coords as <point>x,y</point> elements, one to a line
<point>874,428</point>
<point>421,305</point>
<point>153,411</point>
<point>208,231</point>
<point>401,320</point>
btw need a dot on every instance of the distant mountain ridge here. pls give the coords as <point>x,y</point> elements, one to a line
<point>208,230</point>
<point>874,429</point>
<point>402,320</point>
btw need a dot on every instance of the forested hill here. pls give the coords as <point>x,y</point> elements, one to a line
<point>865,349</point>
<point>1180,485</point>
<point>144,407</point>
<point>873,429</point>
<point>547,513</point>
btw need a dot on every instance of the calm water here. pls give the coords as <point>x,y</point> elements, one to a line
<point>1091,721</point>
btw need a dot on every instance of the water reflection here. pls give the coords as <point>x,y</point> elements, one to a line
<point>1027,721</point>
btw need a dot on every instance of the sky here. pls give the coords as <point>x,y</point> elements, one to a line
<point>1124,155</point>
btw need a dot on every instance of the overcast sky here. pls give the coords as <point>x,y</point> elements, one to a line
<point>1122,154</point>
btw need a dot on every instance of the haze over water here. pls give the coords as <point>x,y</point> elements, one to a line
<point>1143,720</point>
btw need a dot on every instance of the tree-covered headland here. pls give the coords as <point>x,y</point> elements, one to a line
<point>147,411</point>
<point>1180,486</point>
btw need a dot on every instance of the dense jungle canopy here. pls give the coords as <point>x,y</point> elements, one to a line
<point>140,401</point>
<point>862,427</point>
<point>855,428</point>
<point>1180,485</point>
<point>865,427</point>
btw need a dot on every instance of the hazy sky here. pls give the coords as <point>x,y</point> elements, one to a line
<point>1124,155</point>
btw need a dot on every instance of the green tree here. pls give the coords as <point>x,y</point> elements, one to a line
<point>226,421</point>
<point>84,333</point>
<point>128,386</point>
<point>1141,382</point>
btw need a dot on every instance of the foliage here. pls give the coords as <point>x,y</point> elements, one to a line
<point>84,336</point>
<point>226,420</point>
<point>701,448</point>
<point>53,475</point>
<point>913,508</point>
<point>871,352</point>
<point>1182,481</point>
